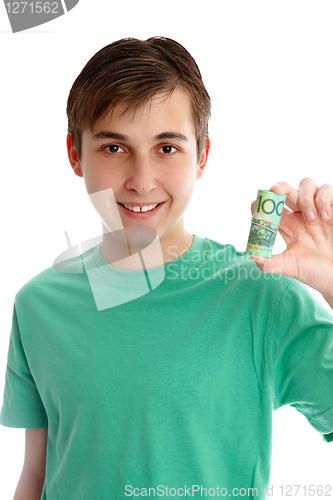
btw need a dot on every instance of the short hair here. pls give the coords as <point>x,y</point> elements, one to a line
<point>133,71</point>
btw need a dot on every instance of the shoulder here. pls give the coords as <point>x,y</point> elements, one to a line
<point>237,266</point>
<point>284,298</point>
<point>66,272</point>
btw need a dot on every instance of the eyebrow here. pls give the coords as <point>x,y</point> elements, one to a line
<point>170,135</point>
<point>121,137</point>
<point>111,135</point>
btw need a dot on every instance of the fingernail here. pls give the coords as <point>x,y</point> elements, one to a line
<point>324,215</point>
<point>310,215</point>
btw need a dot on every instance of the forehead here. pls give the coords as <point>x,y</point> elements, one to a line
<point>161,112</point>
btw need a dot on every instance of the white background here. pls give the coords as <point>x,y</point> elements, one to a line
<point>268,68</point>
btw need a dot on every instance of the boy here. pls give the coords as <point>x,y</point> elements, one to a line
<point>169,392</point>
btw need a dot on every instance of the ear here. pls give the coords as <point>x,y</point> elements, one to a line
<point>73,156</point>
<point>203,158</point>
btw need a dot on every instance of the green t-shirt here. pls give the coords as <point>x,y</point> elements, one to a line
<point>172,390</point>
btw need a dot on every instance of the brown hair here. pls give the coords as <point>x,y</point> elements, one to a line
<point>134,71</point>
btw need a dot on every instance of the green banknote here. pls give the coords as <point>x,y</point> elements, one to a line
<point>265,222</point>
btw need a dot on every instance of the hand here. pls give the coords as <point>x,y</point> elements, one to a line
<point>307,230</point>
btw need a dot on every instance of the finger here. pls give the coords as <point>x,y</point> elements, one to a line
<point>324,201</point>
<point>285,228</point>
<point>292,194</point>
<point>263,263</point>
<point>261,266</point>
<point>306,198</point>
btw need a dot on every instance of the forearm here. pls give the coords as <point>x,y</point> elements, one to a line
<point>28,489</point>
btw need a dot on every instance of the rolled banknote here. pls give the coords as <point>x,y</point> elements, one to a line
<point>265,222</point>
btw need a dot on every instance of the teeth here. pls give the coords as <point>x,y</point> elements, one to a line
<point>143,209</point>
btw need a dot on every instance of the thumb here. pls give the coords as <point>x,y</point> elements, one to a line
<point>283,263</point>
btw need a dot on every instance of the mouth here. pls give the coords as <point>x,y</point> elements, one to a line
<point>144,208</point>
<point>142,212</point>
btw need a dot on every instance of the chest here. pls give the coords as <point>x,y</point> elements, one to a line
<point>180,359</point>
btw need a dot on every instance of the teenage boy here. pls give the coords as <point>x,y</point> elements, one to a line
<point>170,394</point>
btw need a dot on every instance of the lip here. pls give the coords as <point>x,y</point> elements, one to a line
<point>141,215</point>
<point>137,204</point>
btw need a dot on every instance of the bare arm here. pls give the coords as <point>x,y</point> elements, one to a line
<point>31,481</point>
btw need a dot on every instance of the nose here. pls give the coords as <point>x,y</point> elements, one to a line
<point>141,175</point>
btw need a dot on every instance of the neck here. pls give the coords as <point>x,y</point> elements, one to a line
<point>117,250</point>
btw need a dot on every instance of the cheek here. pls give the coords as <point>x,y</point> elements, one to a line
<point>184,180</point>
<point>98,179</point>
<point>180,189</point>
<point>92,183</point>
<point>181,175</point>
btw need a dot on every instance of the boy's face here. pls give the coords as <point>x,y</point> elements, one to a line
<point>148,158</point>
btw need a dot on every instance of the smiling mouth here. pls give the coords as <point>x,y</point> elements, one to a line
<point>147,208</point>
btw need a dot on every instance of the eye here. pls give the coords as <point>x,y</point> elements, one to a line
<point>167,149</point>
<point>114,148</point>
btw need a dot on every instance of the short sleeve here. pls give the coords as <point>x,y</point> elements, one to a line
<point>301,357</point>
<point>22,405</point>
